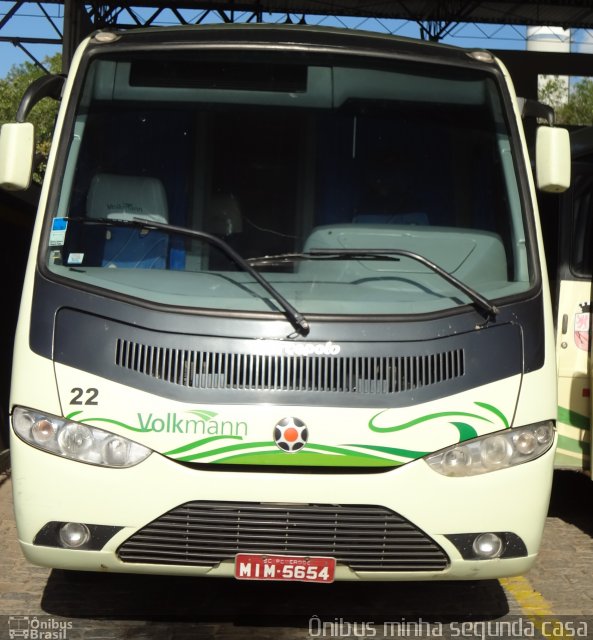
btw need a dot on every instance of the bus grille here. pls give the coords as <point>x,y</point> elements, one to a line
<point>339,374</point>
<point>365,538</point>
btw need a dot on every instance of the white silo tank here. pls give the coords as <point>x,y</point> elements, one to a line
<point>548,39</point>
<point>551,40</point>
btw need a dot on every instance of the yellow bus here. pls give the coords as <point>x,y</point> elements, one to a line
<point>285,315</point>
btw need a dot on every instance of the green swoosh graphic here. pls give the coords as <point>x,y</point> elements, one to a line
<point>199,443</point>
<point>340,450</point>
<point>430,416</point>
<point>252,445</point>
<point>466,431</point>
<point>140,430</point>
<point>495,411</point>
<point>321,451</point>
<point>404,453</point>
<point>206,454</point>
<point>116,422</point>
<point>305,459</point>
<point>205,415</point>
<point>241,447</point>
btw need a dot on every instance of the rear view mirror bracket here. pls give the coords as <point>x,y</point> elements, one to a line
<point>49,86</point>
<point>534,109</point>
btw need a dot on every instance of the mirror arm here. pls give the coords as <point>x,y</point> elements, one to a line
<point>535,109</point>
<point>49,86</point>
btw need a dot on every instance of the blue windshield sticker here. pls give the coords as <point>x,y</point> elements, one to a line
<point>57,235</point>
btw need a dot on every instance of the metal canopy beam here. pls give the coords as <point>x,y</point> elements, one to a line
<point>563,13</point>
<point>436,18</point>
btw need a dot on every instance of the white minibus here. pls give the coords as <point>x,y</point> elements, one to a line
<point>286,315</point>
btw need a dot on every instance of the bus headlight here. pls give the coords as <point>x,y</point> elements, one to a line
<point>495,451</point>
<point>76,441</point>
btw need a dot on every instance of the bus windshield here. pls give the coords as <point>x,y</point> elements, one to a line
<point>277,155</point>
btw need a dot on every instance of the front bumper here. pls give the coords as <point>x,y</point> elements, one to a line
<point>49,489</point>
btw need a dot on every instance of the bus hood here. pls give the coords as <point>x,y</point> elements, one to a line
<point>239,401</point>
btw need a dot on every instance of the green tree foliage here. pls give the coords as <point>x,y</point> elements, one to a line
<point>553,91</point>
<point>579,108</point>
<point>42,116</point>
<point>574,107</point>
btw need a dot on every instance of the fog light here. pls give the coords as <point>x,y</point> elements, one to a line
<point>487,545</point>
<point>472,545</point>
<point>74,535</point>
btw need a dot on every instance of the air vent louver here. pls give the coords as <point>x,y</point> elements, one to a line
<point>258,372</point>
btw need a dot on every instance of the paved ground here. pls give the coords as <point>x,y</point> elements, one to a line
<point>68,605</point>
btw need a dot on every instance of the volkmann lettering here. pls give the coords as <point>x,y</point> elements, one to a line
<point>173,423</point>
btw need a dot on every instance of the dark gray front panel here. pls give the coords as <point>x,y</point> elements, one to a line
<point>361,373</point>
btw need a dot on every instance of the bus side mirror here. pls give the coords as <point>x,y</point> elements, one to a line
<point>17,139</point>
<point>552,159</point>
<point>17,148</point>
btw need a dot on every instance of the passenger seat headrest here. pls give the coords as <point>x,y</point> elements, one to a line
<point>127,197</point>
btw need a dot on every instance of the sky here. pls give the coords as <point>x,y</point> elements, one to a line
<point>30,21</point>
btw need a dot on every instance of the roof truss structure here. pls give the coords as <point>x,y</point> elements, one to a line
<point>436,19</point>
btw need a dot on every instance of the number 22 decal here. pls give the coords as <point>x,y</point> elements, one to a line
<point>78,393</point>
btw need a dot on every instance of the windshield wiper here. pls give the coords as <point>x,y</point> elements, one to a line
<point>298,321</point>
<point>380,254</point>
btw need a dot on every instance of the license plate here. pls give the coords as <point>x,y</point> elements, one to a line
<point>250,566</point>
